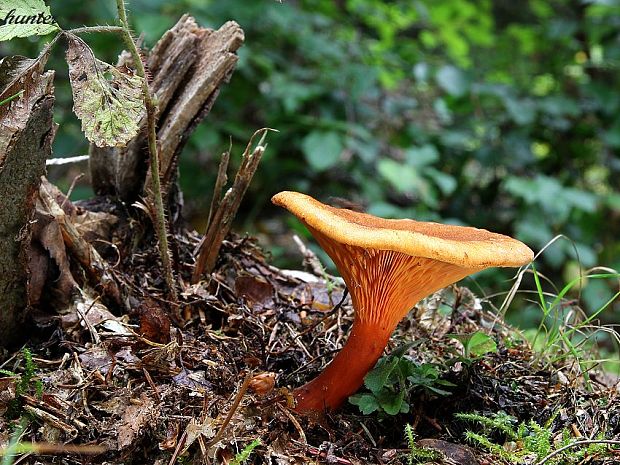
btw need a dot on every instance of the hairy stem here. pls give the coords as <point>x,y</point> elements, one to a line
<point>95,29</point>
<point>161,228</point>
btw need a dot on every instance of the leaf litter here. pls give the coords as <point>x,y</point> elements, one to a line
<point>150,389</point>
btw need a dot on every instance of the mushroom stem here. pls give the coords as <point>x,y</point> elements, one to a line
<point>345,374</point>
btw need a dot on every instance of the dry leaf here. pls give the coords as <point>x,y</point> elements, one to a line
<point>107,100</point>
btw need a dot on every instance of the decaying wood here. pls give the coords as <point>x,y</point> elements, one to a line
<point>220,219</point>
<point>187,67</point>
<point>95,267</point>
<point>26,134</point>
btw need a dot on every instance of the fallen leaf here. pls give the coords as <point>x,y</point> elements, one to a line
<point>256,291</point>
<point>134,420</point>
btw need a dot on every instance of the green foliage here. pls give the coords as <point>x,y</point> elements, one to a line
<point>24,18</point>
<point>499,421</point>
<point>394,381</point>
<point>527,439</point>
<point>15,445</point>
<point>475,345</point>
<point>501,115</point>
<point>244,455</point>
<point>563,332</point>
<point>418,454</point>
<point>25,381</point>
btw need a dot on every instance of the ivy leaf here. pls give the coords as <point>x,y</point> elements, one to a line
<point>33,15</point>
<point>106,99</point>
<point>367,403</point>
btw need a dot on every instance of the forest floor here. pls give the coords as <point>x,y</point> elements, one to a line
<point>211,384</point>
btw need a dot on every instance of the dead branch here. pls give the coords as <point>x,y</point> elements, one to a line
<point>220,220</point>
<point>188,65</point>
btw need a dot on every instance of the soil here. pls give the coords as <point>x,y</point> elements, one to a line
<point>199,381</point>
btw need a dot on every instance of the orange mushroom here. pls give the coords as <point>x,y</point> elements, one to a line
<point>388,266</point>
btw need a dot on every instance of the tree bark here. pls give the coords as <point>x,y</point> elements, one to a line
<point>187,67</point>
<point>26,134</point>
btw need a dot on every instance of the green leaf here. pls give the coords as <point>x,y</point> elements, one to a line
<point>391,402</point>
<point>476,344</point>
<point>452,80</point>
<point>438,391</point>
<point>522,111</point>
<point>403,348</point>
<point>422,156</point>
<point>403,178</point>
<point>367,403</point>
<point>445,182</point>
<point>376,378</point>
<point>580,199</point>
<point>33,16</point>
<point>613,201</point>
<point>322,149</point>
<point>107,100</point>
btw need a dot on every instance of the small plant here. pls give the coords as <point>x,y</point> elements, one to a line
<point>110,101</point>
<point>24,382</point>
<point>475,345</point>
<point>529,439</point>
<point>242,456</point>
<point>394,379</point>
<point>563,333</point>
<point>418,454</point>
<point>15,445</point>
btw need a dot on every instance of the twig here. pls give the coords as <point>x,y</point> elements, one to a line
<point>71,187</point>
<point>178,448</point>
<point>91,329</point>
<point>577,443</point>
<point>92,29</point>
<point>298,427</point>
<point>161,227</point>
<point>310,258</point>
<point>221,221</point>
<point>47,448</point>
<point>66,160</point>
<point>242,390</point>
<point>220,182</point>
<point>147,375</point>
<point>314,325</point>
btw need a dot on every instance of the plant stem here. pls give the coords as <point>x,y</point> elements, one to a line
<point>160,220</point>
<point>95,29</point>
<point>577,443</point>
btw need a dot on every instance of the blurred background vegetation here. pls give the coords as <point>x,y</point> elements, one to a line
<point>501,115</point>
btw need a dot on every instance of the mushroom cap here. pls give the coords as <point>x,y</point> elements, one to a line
<point>459,245</point>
